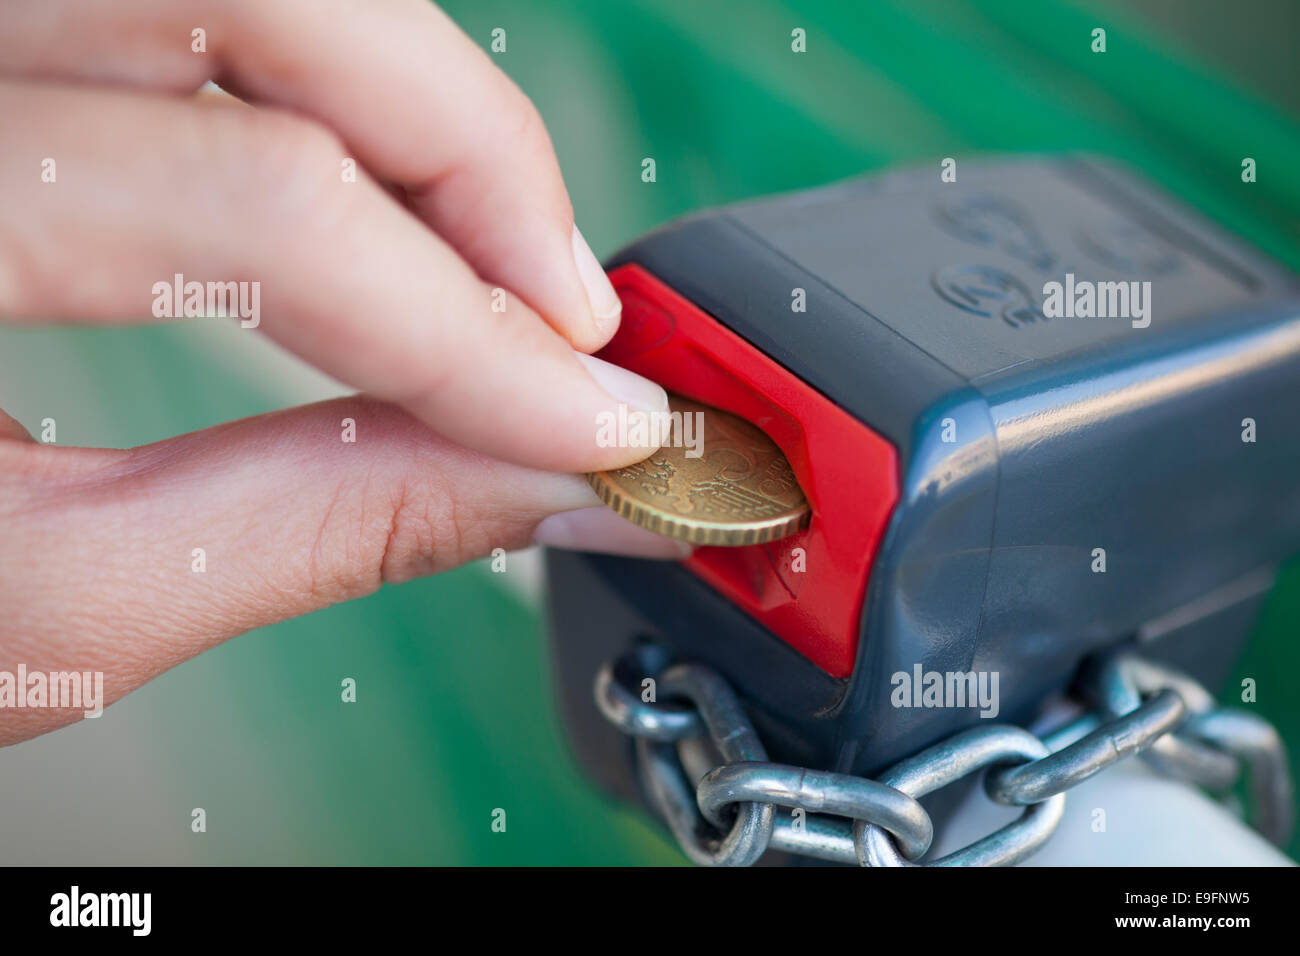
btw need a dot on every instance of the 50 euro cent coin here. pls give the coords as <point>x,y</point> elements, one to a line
<point>716,480</point>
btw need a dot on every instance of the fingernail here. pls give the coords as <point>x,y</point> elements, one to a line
<point>628,387</point>
<point>605,305</point>
<point>600,529</point>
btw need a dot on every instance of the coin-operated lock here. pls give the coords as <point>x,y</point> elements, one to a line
<point>1035,412</point>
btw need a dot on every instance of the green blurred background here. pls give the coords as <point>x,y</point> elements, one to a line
<point>454,716</point>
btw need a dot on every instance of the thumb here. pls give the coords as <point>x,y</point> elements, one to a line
<point>151,556</point>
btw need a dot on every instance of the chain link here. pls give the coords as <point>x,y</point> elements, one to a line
<point>962,754</point>
<point>728,817</point>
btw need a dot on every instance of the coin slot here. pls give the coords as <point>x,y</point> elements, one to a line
<point>808,588</point>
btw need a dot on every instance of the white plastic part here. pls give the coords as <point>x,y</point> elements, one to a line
<point>1127,815</point>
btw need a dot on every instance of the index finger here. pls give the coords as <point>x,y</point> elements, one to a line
<point>346,278</point>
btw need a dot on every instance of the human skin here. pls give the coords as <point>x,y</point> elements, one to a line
<point>473,424</point>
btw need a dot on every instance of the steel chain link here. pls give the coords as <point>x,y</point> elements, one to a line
<point>728,817</point>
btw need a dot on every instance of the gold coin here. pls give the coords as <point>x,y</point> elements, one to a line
<point>716,480</point>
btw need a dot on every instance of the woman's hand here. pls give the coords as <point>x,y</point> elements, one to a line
<point>385,188</point>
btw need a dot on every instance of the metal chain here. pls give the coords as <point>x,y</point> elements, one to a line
<point>728,817</point>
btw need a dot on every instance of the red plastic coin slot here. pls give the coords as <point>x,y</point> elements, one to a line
<point>807,589</point>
